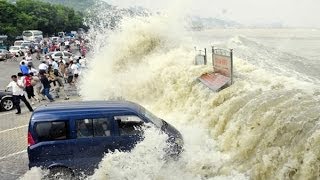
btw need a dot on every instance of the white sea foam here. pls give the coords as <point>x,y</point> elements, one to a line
<point>258,126</point>
<point>265,126</point>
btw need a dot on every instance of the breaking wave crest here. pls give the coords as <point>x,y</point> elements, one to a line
<point>265,126</point>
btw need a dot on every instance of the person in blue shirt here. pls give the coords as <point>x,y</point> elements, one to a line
<point>24,68</point>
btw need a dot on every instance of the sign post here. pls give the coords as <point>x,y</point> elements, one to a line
<point>201,57</point>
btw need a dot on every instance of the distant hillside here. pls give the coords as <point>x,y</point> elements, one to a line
<point>199,23</point>
<point>92,9</point>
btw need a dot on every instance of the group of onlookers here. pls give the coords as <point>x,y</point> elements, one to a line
<point>50,76</point>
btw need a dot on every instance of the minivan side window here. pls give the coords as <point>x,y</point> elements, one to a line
<point>84,128</point>
<point>98,127</point>
<point>51,131</point>
<point>129,124</point>
<point>101,127</point>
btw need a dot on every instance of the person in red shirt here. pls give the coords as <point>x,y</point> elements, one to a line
<point>29,88</point>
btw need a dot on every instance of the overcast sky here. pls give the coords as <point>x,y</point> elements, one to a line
<point>301,13</point>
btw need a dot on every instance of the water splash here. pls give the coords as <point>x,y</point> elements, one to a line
<point>265,126</point>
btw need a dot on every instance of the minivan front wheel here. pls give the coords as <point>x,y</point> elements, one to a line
<point>60,173</point>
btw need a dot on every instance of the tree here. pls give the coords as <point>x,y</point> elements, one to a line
<point>33,14</point>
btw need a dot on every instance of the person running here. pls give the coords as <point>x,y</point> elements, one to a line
<point>69,73</point>
<point>29,88</point>
<point>51,76</point>
<point>24,68</point>
<point>32,70</point>
<point>59,89</point>
<point>29,59</point>
<point>55,65</point>
<point>46,86</point>
<point>38,51</point>
<point>18,94</point>
<point>43,67</point>
<point>75,70</point>
<point>36,83</point>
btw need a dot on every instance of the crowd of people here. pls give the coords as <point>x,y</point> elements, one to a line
<point>47,45</point>
<point>50,77</point>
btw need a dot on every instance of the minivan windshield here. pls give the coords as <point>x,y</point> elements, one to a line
<point>157,121</point>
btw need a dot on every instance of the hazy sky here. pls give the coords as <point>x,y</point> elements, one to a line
<point>302,13</point>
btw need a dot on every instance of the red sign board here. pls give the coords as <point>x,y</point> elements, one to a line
<point>222,64</point>
<point>214,81</point>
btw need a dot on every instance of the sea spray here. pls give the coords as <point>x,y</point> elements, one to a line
<point>258,122</point>
<point>265,126</point>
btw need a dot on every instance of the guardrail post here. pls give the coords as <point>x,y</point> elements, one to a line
<point>205,56</point>
<point>212,56</point>
<point>231,57</point>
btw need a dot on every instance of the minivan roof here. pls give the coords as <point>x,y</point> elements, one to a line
<point>87,105</point>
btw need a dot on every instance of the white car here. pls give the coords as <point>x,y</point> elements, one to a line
<point>65,55</point>
<point>18,43</point>
<point>17,50</point>
<point>54,39</point>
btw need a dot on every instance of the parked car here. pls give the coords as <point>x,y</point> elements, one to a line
<point>17,50</point>
<point>19,38</point>
<point>6,101</point>
<point>5,54</point>
<point>61,34</point>
<point>29,46</point>
<point>56,55</point>
<point>54,39</point>
<point>72,138</point>
<point>18,43</point>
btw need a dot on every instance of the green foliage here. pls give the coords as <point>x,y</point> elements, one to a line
<point>34,14</point>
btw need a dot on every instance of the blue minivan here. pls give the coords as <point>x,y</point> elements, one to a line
<point>71,138</point>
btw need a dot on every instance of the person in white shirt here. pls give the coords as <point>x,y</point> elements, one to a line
<point>18,94</point>
<point>75,70</point>
<point>43,66</point>
<point>32,70</point>
<point>50,59</point>
<point>67,44</point>
<point>28,57</point>
<point>82,62</point>
<point>55,65</point>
